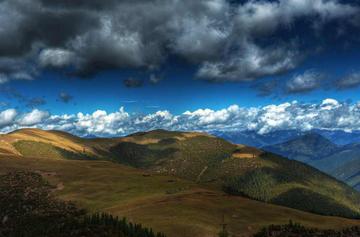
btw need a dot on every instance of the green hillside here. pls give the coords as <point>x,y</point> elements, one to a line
<point>266,177</point>
<point>171,205</point>
<point>217,164</point>
<point>45,150</point>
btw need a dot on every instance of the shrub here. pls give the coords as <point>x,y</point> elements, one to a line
<point>296,229</point>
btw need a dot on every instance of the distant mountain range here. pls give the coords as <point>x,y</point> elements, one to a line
<point>335,152</point>
<point>306,148</point>
<point>340,161</point>
<point>252,138</point>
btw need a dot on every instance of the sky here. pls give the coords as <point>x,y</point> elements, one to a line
<point>108,68</point>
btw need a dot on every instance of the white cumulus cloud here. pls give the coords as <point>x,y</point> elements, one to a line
<point>327,114</point>
<point>34,117</point>
<point>7,117</point>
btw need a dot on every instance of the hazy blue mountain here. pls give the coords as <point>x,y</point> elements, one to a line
<point>306,148</point>
<point>252,138</point>
<point>340,137</point>
<point>342,162</point>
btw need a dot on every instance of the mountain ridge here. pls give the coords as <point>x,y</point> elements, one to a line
<point>342,162</point>
<point>200,158</point>
<point>310,146</point>
<point>253,138</point>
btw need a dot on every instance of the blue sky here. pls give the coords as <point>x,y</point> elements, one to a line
<point>158,56</point>
<point>178,91</point>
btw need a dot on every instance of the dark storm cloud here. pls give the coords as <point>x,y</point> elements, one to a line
<point>349,81</point>
<point>27,23</point>
<point>65,97</point>
<point>253,62</point>
<point>220,37</point>
<point>81,4</point>
<point>133,83</point>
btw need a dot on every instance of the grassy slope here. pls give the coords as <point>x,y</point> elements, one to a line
<point>163,202</point>
<point>209,160</point>
<point>195,157</point>
<point>61,140</point>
